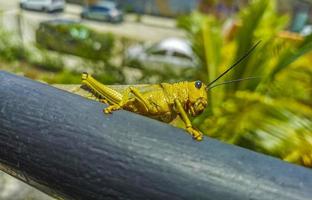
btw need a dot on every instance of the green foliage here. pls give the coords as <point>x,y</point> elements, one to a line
<point>64,77</point>
<point>205,34</point>
<point>271,114</point>
<point>107,78</point>
<point>47,61</point>
<point>165,74</point>
<point>49,66</point>
<point>162,72</point>
<point>105,72</point>
<point>10,47</point>
<point>76,39</point>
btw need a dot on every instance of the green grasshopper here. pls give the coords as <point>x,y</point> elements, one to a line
<point>161,101</point>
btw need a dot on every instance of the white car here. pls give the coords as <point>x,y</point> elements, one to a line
<point>307,30</point>
<point>43,5</point>
<point>174,53</point>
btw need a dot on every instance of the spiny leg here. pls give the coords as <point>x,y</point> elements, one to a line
<point>139,96</point>
<point>111,96</point>
<point>103,100</point>
<point>197,135</point>
<point>125,98</point>
<point>115,99</point>
<point>111,108</point>
<point>106,95</point>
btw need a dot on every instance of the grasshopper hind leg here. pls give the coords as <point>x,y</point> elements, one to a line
<point>111,108</point>
<point>102,93</point>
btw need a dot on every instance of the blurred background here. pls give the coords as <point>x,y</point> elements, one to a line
<point>152,41</point>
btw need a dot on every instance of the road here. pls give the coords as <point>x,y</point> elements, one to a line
<point>149,29</point>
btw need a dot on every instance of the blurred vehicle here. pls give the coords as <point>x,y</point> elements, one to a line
<point>43,5</point>
<point>103,11</point>
<point>173,53</point>
<point>307,30</point>
<point>71,37</point>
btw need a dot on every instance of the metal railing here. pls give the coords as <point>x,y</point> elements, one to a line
<point>65,146</point>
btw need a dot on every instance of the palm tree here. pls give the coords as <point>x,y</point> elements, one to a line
<point>271,114</point>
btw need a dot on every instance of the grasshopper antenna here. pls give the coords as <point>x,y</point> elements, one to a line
<point>235,64</point>
<point>232,81</point>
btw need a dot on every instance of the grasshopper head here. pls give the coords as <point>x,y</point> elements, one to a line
<point>197,100</point>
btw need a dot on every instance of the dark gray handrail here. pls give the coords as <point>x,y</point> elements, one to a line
<point>64,145</point>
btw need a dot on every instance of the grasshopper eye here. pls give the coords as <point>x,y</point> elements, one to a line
<point>198,84</point>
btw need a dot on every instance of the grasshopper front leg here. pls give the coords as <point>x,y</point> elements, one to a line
<point>197,135</point>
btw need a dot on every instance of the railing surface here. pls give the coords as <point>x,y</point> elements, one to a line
<point>64,145</point>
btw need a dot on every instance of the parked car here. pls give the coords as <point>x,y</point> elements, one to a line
<point>172,52</point>
<point>72,37</point>
<point>307,30</point>
<point>43,5</point>
<point>103,11</point>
